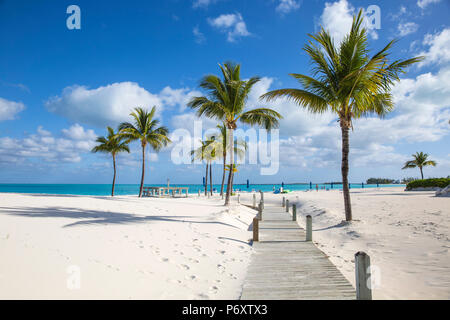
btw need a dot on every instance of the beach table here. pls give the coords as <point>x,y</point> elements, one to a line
<point>164,191</point>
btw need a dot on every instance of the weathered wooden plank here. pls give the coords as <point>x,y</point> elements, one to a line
<point>286,266</point>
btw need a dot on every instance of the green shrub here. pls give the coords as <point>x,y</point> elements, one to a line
<point>436,182</point>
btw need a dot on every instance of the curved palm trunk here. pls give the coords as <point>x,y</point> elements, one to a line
<point>230,175</point>
<point>114,178</point>
<point>224,173</point>
<point>210,179</point>
<point>143,171</point>
<point>421,172</point>
<point>206,180</point>
<point>344,169</point>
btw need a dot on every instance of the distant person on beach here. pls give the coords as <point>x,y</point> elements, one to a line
<point>317,187</point>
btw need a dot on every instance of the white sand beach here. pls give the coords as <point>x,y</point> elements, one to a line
<point>406,234</point>
<point>131,248</point>
<point>124,248</point>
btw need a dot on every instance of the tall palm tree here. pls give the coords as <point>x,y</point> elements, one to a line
<point>112,144</point>
<point>146,130</point>
<point>420,161</point>
<point>348,82</point>
<point>240,146</point>
<point>226,102</point>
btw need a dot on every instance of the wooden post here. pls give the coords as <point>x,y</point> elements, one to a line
<point>362,272</point>
<point>294,212</point>
<point>260,211</point>
<point>239,198</point>
<point>255,229</point>
<point>283,203</point>
<point>254,200</point>
<point>262,198</point>
<point>287,205</point>
<point>308,228</point>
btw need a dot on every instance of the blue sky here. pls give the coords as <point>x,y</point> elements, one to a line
<point>59,88</point>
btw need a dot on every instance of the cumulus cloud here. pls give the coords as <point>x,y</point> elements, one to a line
<point>10,109</point>
<point>314,141</point>
<point>68,147</point>
<point>424,3</point>
<point>231,24</point>
<point>407,28</point>
<point>337,18</point>
<point>111,104</point>
<point>438,48</point>
<point>286,6</point>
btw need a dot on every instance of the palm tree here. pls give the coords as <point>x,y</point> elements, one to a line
<point>420,161</point>
<point>112,144</point>
<point>206,152</point>
<point>146,130</point>
<point>347,82</point>
<point>240,146</point>
<point>226,101</point>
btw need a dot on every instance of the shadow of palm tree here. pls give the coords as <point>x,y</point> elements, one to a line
<point>95,217</point>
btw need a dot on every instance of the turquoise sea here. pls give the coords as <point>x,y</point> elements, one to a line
<point>132,189</point>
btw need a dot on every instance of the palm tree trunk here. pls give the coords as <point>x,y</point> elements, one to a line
<point>421,172</point>
<point>230,175</point>
<point>210,179</point>
<point>206,180</point>
<point>114,178</point>
<point>143,171</point>
<point>344,169</point>
<point>224,173</point>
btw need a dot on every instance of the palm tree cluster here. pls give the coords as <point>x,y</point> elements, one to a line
<point>144,129</point>
<point>345,80</point>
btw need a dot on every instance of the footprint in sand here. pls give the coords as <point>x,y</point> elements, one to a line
<point>163,259</point>
<point>184,266</point>
<point>221,251</point>
<point>220,268</point>
<point>213,290</point>
<point>192,277</point>
<point>194,260</point>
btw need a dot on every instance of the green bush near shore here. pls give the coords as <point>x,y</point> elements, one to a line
<point>428,183</point>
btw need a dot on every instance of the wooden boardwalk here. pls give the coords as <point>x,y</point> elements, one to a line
<point>286,267</point>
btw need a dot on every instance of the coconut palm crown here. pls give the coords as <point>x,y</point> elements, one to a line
<point>420,160</point>
<point>146,129</point>
<point>226,101</point>
<point>346,81</point>
<point>112,144</point>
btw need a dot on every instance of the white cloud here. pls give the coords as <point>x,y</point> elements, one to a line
<point>112,104</point>
<point>286,6</point>
<point>44,145</point>
<point>202,3</point>
<point>199,36</point>
<point>10,109</point>
<point>314,141</point>
<point>407,28</point>
<point>438,48</point>
<point>337,18</point>
<point>424,3</point>
<point>231,24</point>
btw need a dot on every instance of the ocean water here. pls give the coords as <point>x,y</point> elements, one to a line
<point>133,189</point>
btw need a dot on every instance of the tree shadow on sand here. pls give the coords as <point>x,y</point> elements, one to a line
<point>95,217</point>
